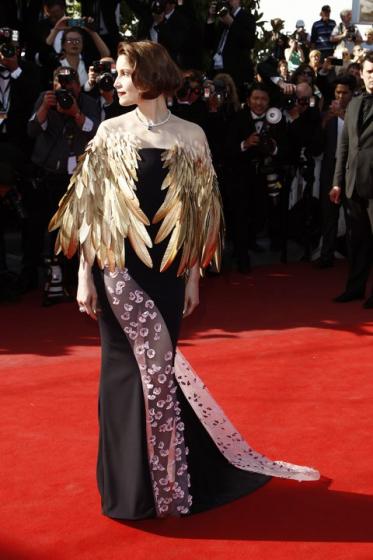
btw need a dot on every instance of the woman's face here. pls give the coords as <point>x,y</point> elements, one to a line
<point>73,44</point>
<point>127,92</point>
<point>314,59</point>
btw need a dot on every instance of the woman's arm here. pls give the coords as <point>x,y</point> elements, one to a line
<point>86,295</point>
<point>191,299</point>
<point>61,25</point>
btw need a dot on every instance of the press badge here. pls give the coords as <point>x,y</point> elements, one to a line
<point>3,117</point>
<point>71,164</point>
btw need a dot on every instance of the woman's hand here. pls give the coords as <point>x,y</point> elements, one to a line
<point>191,299</point>
<point>87,294</point>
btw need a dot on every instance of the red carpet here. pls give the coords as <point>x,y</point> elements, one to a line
<point>291,369</point>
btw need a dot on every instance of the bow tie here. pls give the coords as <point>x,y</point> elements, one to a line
<point>259,119</point>
<point>4,73</point>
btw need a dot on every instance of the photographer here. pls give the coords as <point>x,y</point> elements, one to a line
<point>188,103</point>
<point>304,135</point>
<point>19,87</point>
<point>256,143</point>
<point>222,101</point>
<point>345,35</point>
<point>231,41</point>
<point>100,86</point>
<point>163,22</point>
<point>294,55</point>
<point>63,122</point>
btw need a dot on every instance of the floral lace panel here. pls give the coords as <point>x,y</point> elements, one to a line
<point>148,335</point>
<point>228,440</point>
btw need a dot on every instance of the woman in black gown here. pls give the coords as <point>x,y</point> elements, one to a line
<point>144,207</point>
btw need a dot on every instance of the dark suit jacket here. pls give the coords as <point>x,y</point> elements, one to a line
<point>244,162</point>
<point>354,167</point>
<point>174,33</point>
<point>23,93</point>
<point>52,148</point>
<point>237,48</point>
<point>330,138</point>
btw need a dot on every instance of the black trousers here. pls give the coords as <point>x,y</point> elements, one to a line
<point>359,242</point>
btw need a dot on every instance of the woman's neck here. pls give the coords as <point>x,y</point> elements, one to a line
<point>153,110</point>
<point>73,60</point>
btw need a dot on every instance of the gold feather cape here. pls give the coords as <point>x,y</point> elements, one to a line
<point>100,208</point>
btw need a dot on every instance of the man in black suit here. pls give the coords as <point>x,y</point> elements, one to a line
<point>354,178</point>
<point>162,21</point>
<point>231,41</point>
<point>19,88</point>
<point>106,17</point>
<point>63,122</point>
<point>344,87</point>
<point>257,150</point>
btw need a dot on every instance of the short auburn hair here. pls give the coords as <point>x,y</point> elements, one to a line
<point>154,71</point>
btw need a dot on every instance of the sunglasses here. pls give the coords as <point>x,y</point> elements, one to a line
<point>73,41</point>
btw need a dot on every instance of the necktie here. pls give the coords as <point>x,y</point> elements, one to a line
<point>366,106</point>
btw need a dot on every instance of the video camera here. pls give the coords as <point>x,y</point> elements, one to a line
<point>106,78</point>
<point>9,38</point>
<point>269,166</point>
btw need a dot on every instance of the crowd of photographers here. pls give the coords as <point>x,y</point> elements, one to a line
<point>273,127</point>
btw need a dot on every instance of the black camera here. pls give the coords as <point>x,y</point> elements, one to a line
<point>187,89</point>
<point>222,8</point>
<point>351,33</point>
<point>64,98</point>
<point>8,40</point>
<point>221,90</point>
<point>158,7</point>
<point>105,78</point>
<point>269,169</point>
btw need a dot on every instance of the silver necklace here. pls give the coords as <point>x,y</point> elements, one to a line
<point>150,125</point>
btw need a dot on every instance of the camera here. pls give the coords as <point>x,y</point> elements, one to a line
<point>187,89</point>
<point>8,39</point>
<point>222,8</point>
<point>105,78</point>
<point>76,22</point>
<point>221,91</point>
<point>351,33</point>
<point>64,98</point>
<point>270,170</point>
<point>158,7</point>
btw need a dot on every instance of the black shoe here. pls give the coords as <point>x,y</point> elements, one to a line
<point>348,296</point>
<point>368,304</point>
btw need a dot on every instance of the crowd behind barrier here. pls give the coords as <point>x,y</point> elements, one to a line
<point>273,125</point>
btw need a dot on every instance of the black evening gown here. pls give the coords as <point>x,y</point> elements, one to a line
<point>123,472</point>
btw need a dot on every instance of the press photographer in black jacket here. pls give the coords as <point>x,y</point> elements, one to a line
<point>63,122</point>
<point>230,36</point>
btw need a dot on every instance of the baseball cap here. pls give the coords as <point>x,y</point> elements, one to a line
<point>300,23</point>
<point>326,8</point>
